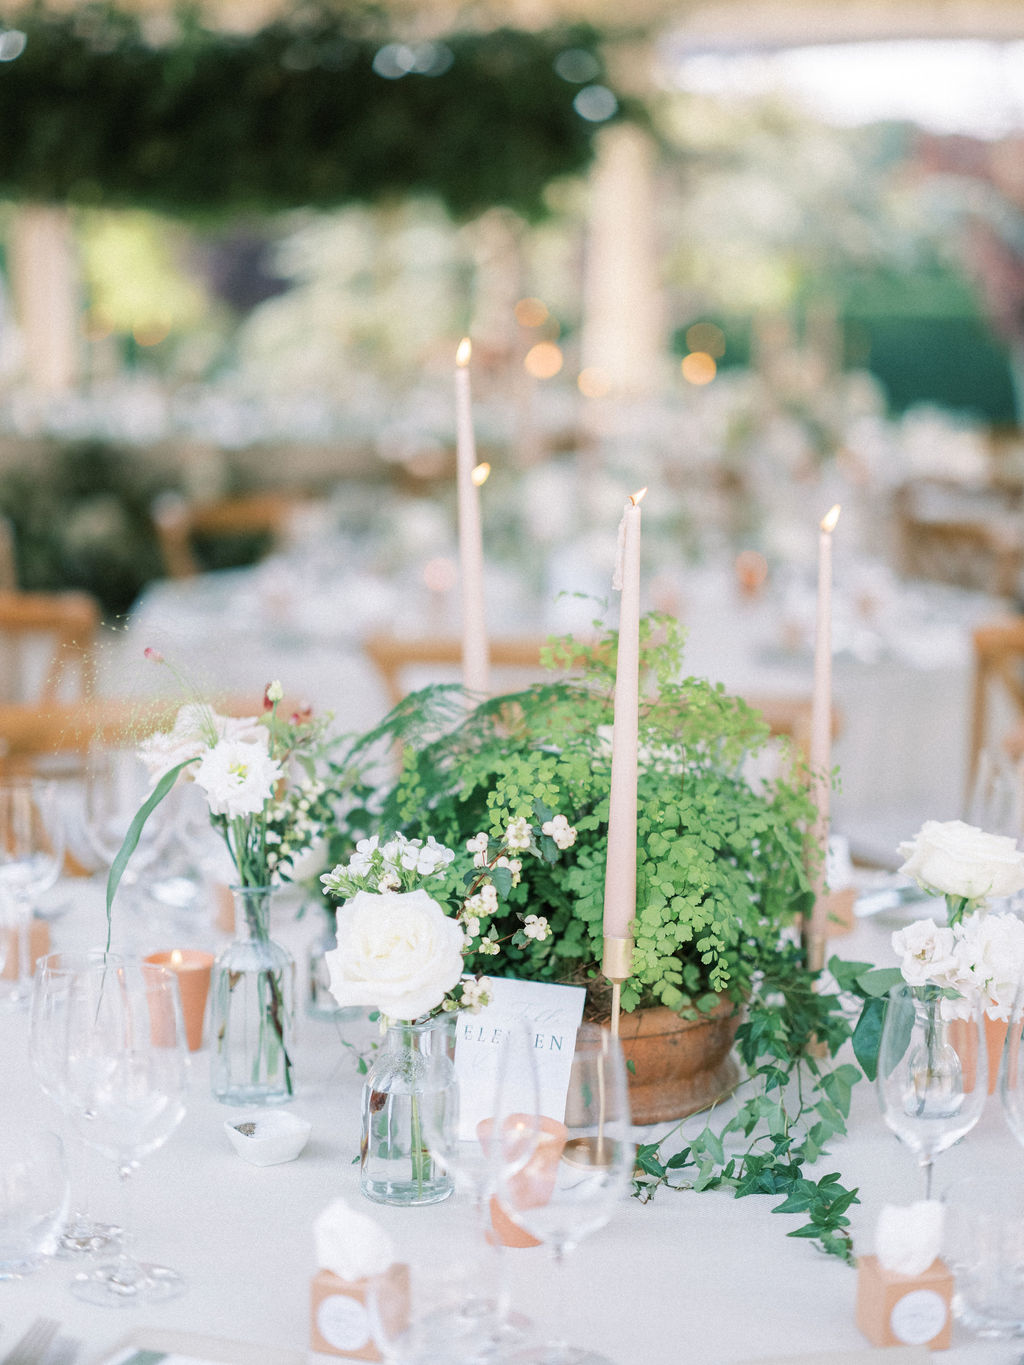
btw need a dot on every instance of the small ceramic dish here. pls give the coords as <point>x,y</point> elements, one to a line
<point>269,1137</point>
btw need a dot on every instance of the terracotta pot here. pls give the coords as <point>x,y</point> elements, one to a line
<point>679,1065</point>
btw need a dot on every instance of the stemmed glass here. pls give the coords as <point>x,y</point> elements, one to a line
<point>48,1055</point>
<point>116,785</point>
<point>126,1077</point>
<point>498,1147</point>
<point>562,1203</point>
<point>932,1071</point>
<point>31,859</point>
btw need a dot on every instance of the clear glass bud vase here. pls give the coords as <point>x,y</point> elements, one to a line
<point>404,1100</point>
<point>253,1004</point>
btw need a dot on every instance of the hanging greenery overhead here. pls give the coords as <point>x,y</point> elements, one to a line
<point>317,109</point>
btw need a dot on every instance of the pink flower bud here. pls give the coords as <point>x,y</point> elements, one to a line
<point>153,655</point>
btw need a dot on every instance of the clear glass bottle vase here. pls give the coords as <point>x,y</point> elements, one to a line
<point>400,1107</point>
<point>253,1009</point>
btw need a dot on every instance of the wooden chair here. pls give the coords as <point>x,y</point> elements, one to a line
<point>179,523</point>
<point>47,643</point>
<point>998,673</point>
<point>393,656</point>
<point>951,535</point>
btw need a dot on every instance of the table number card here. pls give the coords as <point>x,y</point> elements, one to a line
<point>553,1013</point>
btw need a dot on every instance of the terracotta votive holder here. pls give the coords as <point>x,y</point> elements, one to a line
<point>905,1310</point>
<point>340,1323</point>
<point>192,968</point>
<point>531,1187</point>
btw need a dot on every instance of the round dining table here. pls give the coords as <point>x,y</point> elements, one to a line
<point>687,1277</point>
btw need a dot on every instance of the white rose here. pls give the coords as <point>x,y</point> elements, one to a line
<point>238,778</point>
<point>929,953</point>
<point>955,859</point>
<point>397,952</point>
<point>991,953</point>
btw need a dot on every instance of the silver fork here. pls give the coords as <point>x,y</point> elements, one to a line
<point>32,1347</point>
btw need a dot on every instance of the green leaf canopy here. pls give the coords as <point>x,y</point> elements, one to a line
<point>315,110</point>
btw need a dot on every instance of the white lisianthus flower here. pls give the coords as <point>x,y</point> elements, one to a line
<point>560,830</point>
<point>955,859</point>
<point>274,691</point>
<point>197,728</point>
<point>990,949</point>
<point>928,953</point>
<point>238,778</point>
<point>536,926</point>
<point>518,833</point>
<point>398,952</point>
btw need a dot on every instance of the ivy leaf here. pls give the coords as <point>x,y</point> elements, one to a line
<point>880,980</point>
<point>867,1036</point>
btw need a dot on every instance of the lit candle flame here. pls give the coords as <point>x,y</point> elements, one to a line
<point>176,958</point>
<point>635,498</point>
<point>828,521</point>
<point>464,352</point>
<point>481,473</point>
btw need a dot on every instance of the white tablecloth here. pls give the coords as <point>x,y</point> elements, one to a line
<point>689,1277</point>
<point>901,678</point>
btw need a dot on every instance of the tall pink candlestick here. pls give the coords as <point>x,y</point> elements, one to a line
<point>475,659</point>
<point>620,870</point>
<point>821,718</point>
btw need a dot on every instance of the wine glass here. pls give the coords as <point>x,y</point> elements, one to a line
<point>574,1192</point>
<point>932,1071</point>
<point>33,1197</point>
<point>48,1055</point>
<point>476,1155</point>
<point>116,785</point>
<point>31,859</point>
<point>126,1076</point>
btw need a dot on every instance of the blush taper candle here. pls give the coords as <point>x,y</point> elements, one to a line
<point>475,661</point>
<point>620,868</point>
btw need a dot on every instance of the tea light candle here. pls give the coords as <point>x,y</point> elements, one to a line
<point>192,968</point>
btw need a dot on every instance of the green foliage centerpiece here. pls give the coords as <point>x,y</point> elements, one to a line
<point>721,875</point>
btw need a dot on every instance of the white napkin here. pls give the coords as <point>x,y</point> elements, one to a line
<point>907,1239</point>
<point>350,1244</point>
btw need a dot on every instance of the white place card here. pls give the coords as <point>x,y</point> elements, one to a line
<point>553,1014</point>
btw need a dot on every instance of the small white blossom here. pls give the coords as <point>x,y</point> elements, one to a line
<point>536,926</point>
<point>274,691</point>
<point>478,844</point>
<point>518,833</point>
<point>390,881</point>
<point>475,996</point>
<point>514,866</point>
<point>488,947</point>
<point>470,925</point>
<point>560,830</point>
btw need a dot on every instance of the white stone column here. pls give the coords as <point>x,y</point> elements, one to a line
<point>623,308</point>
<point>44,284</point>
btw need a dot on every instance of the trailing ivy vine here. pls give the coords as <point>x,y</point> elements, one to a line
<point>319,108</point>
